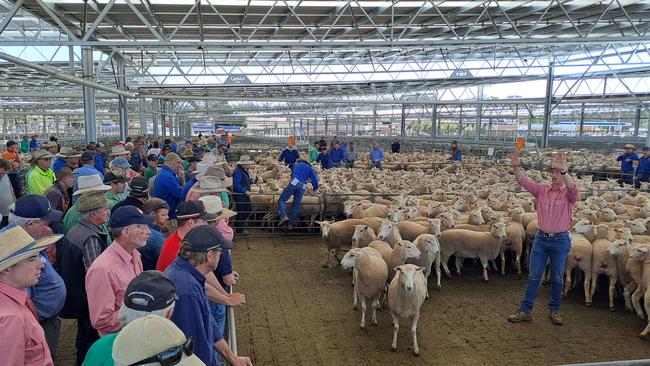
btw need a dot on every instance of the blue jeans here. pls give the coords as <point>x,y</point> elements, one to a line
<point>376,164</point>
<point>557,249</point>
<point>641,178</point>
<point>626,177</point>
<point>297,192</point>
<point>218,312</point>
<point>350,164</point>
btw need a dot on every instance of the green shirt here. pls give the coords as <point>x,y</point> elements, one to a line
<point>112,199</point>
<point>38,181</point>
<point>24,146</point>
<point>313,154</point>
<point>150,172</point>
<point>101,352</point>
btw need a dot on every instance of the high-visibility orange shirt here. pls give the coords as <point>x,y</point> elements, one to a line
<point>12,156</point>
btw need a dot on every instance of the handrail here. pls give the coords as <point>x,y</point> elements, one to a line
<point>231,328</point>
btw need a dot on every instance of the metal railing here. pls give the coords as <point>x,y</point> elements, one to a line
<point>231,327</point>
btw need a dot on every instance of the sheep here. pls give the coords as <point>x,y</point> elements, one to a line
<point>638,226</point>
<point>635,266</point>
<point>485,227</point>
<point>370,273</point>
<point>446,221</point>
<point>516,235</point>
<point>607,215</point>
<point>389,233</point>
<point>397,255</point>
<point>475,218</point>
<point>409,230</point>
<point>336,235</point>
<point>363,235</point>
<point>488,213</point>
<point>374,211</point>
<point>579,256</point>
<point>429,247</point>
<point>373,222</point>
<point>620,250</point>
<point>603,263</point>
<point>406,293</point>
<point>641,253</point>
<point>472,244</point>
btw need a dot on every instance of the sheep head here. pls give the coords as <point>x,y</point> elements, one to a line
<point>406,276</point>
<point>431,243</point>
<point>639,252</point>
<point>409,248</point>
<point>434,227</point>
<point>359,231</point>
<point>583,226</point>
<point>636,226</point>
<point>350,258</point>
<point>618,247</point>
<point>498,230</point>
<point>324,228</point>
<point>386,229</point>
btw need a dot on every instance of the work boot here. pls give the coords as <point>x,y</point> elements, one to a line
<point>283,220</point>
<point>555,318</point>
<point>520,316</point>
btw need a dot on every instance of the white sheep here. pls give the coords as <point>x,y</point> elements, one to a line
<point>389,232</point>
<point>640,253</point>
<point>429,247</point>
<point>406,294</point>
<point>336,235</point>
<point>370,273</point>
<point>620,249</point>
<point>357,211</point>
<point>396,256</point>
<point>409,230</point>
<point>472,244</point>
<point>579,257</point>
<point>603,263</point>
<point>363,235</point>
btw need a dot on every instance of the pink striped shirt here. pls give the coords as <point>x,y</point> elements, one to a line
<point>554,206</point>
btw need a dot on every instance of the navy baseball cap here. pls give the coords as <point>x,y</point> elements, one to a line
<point>645,148</point>
<point>205,238</point>
<point>150,291</point>
<point>129,215</point>
<point>87,156</point>
<point>193,210</point>
<point>31,206</point>
<point>11,143</point>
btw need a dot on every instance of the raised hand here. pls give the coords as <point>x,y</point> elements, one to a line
<point>514,159</point>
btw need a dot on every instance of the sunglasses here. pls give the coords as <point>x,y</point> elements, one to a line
<point>171,356</point>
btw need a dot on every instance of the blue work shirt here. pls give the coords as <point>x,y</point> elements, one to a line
<point>173,147</point>
<point>325,160</point>
<point>303,172</point>
<point>289,156</point>
<point>33,145</point>
<point>644,166</point>
<point>192,311</point>
<point>151,251</point>
<point>168,188</point>
<point>626,160</point>
<point>83,171</point>
<point>376,155</point>
<point>48,294</point>
<point>186,189</point>
<point>241,181</point>
<point>337,155</point>
<point>136,160</point>
<point>59,163</point>
<point>456,155</point>
<point>100,162</point>
<point>224,268</point>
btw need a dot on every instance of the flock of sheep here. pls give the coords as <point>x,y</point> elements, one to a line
<point>410,219</point>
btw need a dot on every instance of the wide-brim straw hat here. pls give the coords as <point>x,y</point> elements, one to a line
<point>213,205</point>
<point>118,150</point>
<point>89,183</point>
<point>630,146</point>
<point>68,152</point>
<point>245,160</point>
<point>18,245</point>
<point>209,185</point>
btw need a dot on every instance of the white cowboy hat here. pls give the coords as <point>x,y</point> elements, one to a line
<point>118,150</point>
<point>213,205</point>
<point>217,173</point>
<point>87,183</point>
<point>245,160</point>
<point>209,185</point>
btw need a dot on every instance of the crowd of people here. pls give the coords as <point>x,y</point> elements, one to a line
<point>131,241</point>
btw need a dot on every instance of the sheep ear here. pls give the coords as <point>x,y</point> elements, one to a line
<point>643,249</point>
<point>419,269</point>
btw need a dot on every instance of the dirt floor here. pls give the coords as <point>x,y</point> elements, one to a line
<point>299,313</point>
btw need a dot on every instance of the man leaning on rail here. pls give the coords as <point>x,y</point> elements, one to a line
<point>555,204</point>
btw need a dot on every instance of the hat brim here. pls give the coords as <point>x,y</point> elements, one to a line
<point>138,194</point>
<point>120,153</point>
<point>29,250</point>
<point>143,220</point>
<point>224,214</point>
<point>209,190</point>
<point>245,162</point>
<point>102,188</point>
<point>59,155</point>
<point>53,216</point>
<point>119,180</point>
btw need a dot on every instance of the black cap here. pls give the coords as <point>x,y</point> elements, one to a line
<point>193,159</point>
<point>204,238</point>
<point>87,156</point>
<point>454,142</point>
<point>112,178</point>
<point>152,157</point>
<point>193,210</point>
<point>150,291</point>
<point>129,215</point>
<point>11,143</point>
<point>645,148</point>
<point>139,187</point>
<point>31,206</point>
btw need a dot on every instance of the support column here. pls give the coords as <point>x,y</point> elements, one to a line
<point>326,123</point>
<point>434,121</point>
<point>143,117</point>
<point>163,118</point>
<point>402,128</point>
<point>548,100</point>
<point>582,120</point>
<point>71,58</point>
<point>374,120</point>
<point>123,111</point>
<point>460,123</point>
<point>90,116</point>
<point>155,103</point>
<point>338,118</point>
<point>479,114</point>
<point>530,124</point>
<point>637,121</point>
<point>354,122</point>
<point>44,125</point>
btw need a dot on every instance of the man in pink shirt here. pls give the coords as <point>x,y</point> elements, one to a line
<point>555,204</point>
<point>23,340</point>
<point>111,272</point>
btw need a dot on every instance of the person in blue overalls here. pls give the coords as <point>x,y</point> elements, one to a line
<point>289,156</point>
<point>302,172</point>
<point>324,158</point>
<point>456,155</point>
<point>627,163</point>
<point>642,173</point>
<point>337,154</point>
<point>241,192</point>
